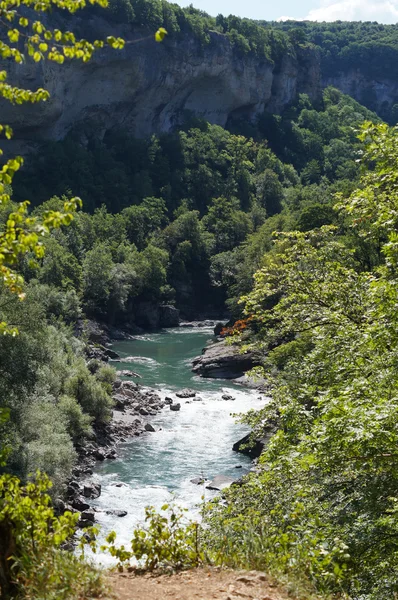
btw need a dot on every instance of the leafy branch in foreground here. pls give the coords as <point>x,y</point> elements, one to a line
<point>166,541</point>
<point>29,39</point>
<point>32,561</point>
<point>323,504</point>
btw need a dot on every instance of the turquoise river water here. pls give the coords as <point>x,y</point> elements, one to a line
<point>196,441</point>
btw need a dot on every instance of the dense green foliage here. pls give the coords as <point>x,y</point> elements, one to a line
<point>32,562</point>
<point>204,207</point>
<point>246,35</point>
<point>323,502</point>
<point>171,212</point>
<point>187,218</point>
<point>167,540</point>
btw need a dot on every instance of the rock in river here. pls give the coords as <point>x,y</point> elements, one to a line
<point>224,362</point>
<point>117,513</point>
<point>186,393</point>
<point>220,482</point>
<point>92,490</point>
<point>175,407</point>
<point>256,447</point>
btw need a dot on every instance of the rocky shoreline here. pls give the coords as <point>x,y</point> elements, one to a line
<point>134,406</point>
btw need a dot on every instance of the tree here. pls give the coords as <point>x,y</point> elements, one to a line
<point>323,503</point>
<point>40,41</point>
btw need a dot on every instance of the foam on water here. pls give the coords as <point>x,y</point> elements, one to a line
<point>194,442</point>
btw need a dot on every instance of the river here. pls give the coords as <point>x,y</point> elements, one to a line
<point>194,442</point>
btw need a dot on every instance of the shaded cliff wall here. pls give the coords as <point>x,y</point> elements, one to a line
<point>147,87</point>
<point>380,94</point>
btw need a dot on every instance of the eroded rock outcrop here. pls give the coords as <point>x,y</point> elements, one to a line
<point>223,362</point>
<point>148,87</point>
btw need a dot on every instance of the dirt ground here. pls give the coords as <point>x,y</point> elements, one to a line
<point>197,584</point>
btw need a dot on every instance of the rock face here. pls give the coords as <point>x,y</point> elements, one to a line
<point>154,316</point>
<point>379,95</point>
<point>222,361</point>
<point>147,87</point>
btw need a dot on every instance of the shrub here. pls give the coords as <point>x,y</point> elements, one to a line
<point>32,562</point>
<point>166,541</point>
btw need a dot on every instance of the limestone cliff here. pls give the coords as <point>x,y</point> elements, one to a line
<point>379,94</point>
<point>146,87</point>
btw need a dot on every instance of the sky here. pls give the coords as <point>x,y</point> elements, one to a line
<point>383,11</point>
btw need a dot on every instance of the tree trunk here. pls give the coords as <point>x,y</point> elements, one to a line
<point>7,550</point>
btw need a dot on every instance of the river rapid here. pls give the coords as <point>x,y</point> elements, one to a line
<point>195,442</point>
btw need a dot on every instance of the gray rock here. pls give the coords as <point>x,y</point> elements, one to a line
<point>149,427</point>
<point>168,400</point>
<point>222,361</point>
<point>169,316</point>
<point>175,407</point>
<point>109,91</point>
<point>73,489</point>
<point>227,397</point>
<point>60,506</point>
<point>99,454</point>
<point>220,482</point>
<point>80,503</point>
<point>117,513</point>
<point>256,447</point>
<point>143,411</point>
<point>111,354</point>
<point>88,515</point>
<point>186,393</point>
<point>92,490</point>
<point>127,373</point>
<point>198,481</point>
<point>83,523</point>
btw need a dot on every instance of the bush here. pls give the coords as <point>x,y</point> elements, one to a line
<point>167,541</point>
<point>33,565</point>
<point>90,393</point>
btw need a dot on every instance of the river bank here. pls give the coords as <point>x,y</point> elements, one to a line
<point>157,440</point>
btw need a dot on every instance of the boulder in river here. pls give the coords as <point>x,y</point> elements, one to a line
<point>168,400</point>
<point>186,393</point>
<point>111,354</point>
<point>92,490</point>
<point>256,447</point>
<point>127,373</point>
<point>88,515</point>
<point>169,316</point>
<point>80,503</point>
<point>175,407</point>
<point>224,362</point>
<point>198,480</point>
<point>220,482</point>
<point>149,427</point>
<point>117,513</point>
